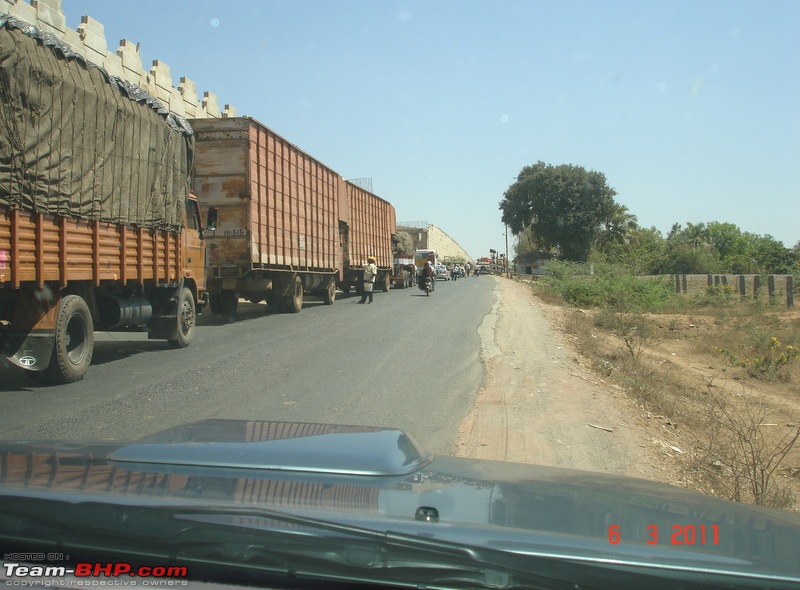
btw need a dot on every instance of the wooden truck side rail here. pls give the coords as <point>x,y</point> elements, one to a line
<point>61,277</point>
<point>37,248</point>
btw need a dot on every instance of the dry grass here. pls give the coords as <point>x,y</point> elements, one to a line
<point>737,421</point>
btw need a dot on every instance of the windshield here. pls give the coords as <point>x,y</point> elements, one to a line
<point>224,210</point>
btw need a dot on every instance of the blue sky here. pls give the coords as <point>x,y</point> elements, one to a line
<point>690,108</point>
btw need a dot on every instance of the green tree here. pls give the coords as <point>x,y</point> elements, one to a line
<point>696,235</point>
<point>731,245</point>
<point>689,250</point>
<point>617,229</point>
<point>770,255</point>
<point>647,252</point>
<point>526,242</point>
<point>563,205</point>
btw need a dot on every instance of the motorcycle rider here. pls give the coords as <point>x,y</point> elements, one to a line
<point>427,273</point>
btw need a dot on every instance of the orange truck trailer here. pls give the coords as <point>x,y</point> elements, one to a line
<point>276,213</point>
<point>287,226</point>
<point>367,227</point>
<point>98,228</point>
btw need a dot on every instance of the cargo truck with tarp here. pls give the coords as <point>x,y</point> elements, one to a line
<point>98,228</point>
<point>276,212</point>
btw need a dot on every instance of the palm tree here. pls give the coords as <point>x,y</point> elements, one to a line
<point>696,234</point>
<point>618,227</point>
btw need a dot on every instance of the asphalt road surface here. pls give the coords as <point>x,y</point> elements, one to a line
<point>407,361</point>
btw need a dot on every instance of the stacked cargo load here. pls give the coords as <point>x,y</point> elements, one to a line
<point>79,143</point>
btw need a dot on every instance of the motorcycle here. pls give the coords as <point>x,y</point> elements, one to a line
<point>425,284</point>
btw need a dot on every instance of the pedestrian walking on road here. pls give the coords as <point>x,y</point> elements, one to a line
<point>370,272</point>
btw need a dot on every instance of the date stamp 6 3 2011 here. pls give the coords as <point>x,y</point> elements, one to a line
<point>679,534</point>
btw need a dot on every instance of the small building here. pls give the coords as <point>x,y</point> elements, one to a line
<point>532,263</point>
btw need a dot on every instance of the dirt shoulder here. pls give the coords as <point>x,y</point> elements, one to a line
<point>540,404</point>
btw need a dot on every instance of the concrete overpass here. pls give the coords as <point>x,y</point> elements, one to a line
<point>421,235</point>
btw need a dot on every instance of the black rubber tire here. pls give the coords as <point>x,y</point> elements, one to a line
<point>186,319</point>
<point>229,302</point>
<point>74,341</point>
<point>215,303</point>
<point>329,296</point>
<point>294,303</point>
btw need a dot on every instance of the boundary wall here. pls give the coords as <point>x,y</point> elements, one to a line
<point>752,285</point>
<point>125,62</point>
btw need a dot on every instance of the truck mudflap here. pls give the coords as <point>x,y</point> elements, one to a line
<point>29,350</point>
<point>28,340</point>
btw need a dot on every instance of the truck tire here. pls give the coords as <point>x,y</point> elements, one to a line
<point>187,318</point>
<point>74,341</point>
<point>214,303</point>
<point>294,303</point>
<point>329,296</point>
<point>229,302</point>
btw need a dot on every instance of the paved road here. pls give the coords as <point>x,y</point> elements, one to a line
<point>407,361</point>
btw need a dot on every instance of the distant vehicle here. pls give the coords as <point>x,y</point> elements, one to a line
<point>404,273</point>
<point>442,273</point>
<point>423,256</point>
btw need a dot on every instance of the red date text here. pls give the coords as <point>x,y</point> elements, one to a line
<point>679,534</point>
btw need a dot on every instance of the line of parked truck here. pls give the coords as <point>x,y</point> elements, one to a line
<point>116,214</point>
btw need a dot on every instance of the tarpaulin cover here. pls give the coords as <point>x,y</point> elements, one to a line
<point>77,142</point>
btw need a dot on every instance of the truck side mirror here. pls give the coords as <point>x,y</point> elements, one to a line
<point>211,223</point>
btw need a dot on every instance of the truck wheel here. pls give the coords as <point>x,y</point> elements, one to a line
<point>329,296</point>
<point>214,303</point>
<point>294,303</point>
<point>186,319</point>
<point>74,341</point>
<point>229,302</point>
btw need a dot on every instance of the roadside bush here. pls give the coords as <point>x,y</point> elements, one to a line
<point>765,360</point>
<point>632,329</point>
<point>738,455</point>
<point>608,286</point>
